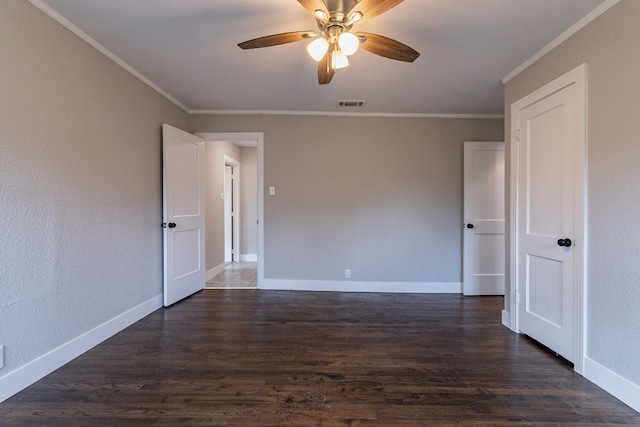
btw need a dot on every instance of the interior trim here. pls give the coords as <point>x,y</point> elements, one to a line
<point>561,38</point>
<point>37,369</point>
<point>350,114</point>
<point>106,52</point>
<point>360,286</point>
<point>612,383</point>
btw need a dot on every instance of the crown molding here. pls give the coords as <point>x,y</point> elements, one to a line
<point>349,114</point>
<point>106,52</point>
<point>562,37</point>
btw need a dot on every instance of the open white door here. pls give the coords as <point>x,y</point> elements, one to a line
<point>183,214</point>
<point>484,239</point>
<point>231,209</point>
<point>548,151</point>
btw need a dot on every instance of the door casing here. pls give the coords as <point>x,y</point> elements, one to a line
<point>258,139</point>
<point>576,77</point>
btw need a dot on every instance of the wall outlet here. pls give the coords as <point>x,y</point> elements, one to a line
<point>1,356</point>
<point>347,274</point>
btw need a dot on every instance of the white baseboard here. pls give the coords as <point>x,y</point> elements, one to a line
<point>353,286</point>
<point>613,383</point>
<point>249,258</point>
<point>37,369</point>
<point>214,271</point>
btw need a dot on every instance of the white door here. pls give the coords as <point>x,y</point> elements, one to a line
<point>228,214</point>
<point>484,212</point>
<point>548,168</point>
<point>183,214</point>
<point>231,210</point>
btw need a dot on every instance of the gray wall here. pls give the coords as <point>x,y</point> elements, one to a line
<point>609,46</point>
<point>381,196</point>
<point>80,186</point>
<point>214,227</point>
<point>248,201</point>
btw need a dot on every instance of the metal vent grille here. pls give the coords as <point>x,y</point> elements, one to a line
<point>352,103</point>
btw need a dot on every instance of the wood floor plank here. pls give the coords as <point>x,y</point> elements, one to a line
<point>273,358</point>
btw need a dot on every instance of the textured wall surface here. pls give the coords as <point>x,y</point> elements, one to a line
<point>80,186</point>
<point>381,196</point>
<point>609,47</point>
<point>249,201</point>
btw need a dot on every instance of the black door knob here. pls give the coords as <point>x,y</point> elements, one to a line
<point>469,225</point>
<point>172,225</point>
<point>565,242</point>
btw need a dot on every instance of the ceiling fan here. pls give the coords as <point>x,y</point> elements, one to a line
<point>333,42</point>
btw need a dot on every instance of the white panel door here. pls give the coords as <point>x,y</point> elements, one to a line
<point>228,214</point>
<point>183,214</point>
<point>546,137</point>
<point>484,212</point>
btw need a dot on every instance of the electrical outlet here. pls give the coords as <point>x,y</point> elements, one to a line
<point>1,356</point>
<point>347,274</point>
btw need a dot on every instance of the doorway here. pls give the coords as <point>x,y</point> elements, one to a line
<point>251,179</point>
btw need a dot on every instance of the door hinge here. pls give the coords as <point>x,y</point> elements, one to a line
<point>518,135</point>
<point>517,297</point>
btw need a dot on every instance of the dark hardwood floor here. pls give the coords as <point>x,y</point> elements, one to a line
<point>273,358</point>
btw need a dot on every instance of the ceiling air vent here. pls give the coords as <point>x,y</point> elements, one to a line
<point>352,104</point>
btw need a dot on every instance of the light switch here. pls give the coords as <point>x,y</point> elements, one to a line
<point>272,191</point>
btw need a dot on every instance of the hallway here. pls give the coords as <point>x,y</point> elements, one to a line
<point>239,275</point>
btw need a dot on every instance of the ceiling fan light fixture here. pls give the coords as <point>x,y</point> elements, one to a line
<point>348,43</point>
<point>318,48</point>
<point>333,41</point>
<point>339,60</point>
<point>353,18</point>
<point>321,15</point>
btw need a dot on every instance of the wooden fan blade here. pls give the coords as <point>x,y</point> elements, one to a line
<point>325,70</point>
<point>313,5</point>
<point>277,39</point>
<point>372,8</point>
<point>389,48</point>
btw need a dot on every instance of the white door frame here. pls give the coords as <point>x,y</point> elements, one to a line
<point>575,77</point>
<point>258,139</point>
<point>234,198</point>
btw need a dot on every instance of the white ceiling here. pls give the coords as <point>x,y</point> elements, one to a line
<point>188,49</point>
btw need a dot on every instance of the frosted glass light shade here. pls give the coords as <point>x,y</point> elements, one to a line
<point>348,43</point>
<point>318,48</point>
<point>321,15</point>
<point>339,60</point>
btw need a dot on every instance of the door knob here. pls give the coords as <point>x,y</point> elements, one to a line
<point>565,242</point>
<point>469,225</point>
<point>172,225</point>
